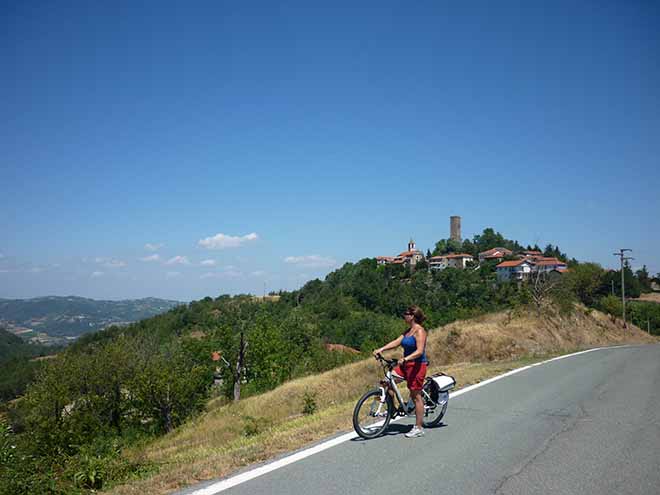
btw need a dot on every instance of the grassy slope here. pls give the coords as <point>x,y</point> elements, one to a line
<point>215,444</point>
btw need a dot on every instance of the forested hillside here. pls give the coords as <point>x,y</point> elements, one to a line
<point>18,364</point>
<point>125,384</point>
<point>12,347</point>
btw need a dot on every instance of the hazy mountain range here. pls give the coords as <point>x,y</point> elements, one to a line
<point>55,319</point>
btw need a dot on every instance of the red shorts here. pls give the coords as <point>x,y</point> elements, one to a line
<point>414,373</point>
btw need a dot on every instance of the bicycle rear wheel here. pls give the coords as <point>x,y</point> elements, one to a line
<point>371,416</point>
<point>435,411</point>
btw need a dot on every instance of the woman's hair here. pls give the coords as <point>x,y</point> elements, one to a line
<point>417,313</point>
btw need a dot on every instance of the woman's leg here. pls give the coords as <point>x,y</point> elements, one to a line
<point>416,396</point>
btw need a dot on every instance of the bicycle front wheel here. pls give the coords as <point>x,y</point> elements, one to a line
<point>371,415</point>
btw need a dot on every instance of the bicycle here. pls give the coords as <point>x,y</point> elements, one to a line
<point>375,409</point>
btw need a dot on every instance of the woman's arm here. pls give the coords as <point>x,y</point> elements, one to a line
<point>392,345</point>
<point>420,338</point>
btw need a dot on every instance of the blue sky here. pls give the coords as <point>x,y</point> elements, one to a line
<point>259,146</point>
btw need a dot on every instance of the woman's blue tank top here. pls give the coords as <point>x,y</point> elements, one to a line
<point>409,344</point>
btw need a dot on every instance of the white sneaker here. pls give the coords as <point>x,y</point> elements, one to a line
<point>415,432</point>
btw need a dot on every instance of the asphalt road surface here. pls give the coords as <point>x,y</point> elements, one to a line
<point>587,424</point>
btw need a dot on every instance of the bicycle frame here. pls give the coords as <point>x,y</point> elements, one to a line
<point>389,382</point>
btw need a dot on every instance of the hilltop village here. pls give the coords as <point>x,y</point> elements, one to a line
<point>511,266</point>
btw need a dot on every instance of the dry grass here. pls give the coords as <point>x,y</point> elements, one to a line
<point>215,444</point>
<point>651,297</point>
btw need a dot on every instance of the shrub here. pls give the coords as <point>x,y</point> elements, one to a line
<point>91,473</point>
<point>612,306</point>
<point>251,426</point>
<point>309,403</point>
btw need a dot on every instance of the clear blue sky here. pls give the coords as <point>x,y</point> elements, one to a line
<point>274,142</point>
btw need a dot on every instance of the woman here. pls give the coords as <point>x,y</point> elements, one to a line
<point>413,365</point>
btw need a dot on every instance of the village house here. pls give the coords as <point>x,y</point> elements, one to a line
<point>497,253</point>
<point>514,270</point>
<point>531,255</point>
<point>523,268</point>
<point>453,260</point>
<point>550,264</point>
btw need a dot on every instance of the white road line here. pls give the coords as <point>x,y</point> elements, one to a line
<point>225,484</point>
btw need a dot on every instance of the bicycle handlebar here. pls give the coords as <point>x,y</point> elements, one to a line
<point>391,363</point>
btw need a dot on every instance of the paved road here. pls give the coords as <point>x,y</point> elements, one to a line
<point>588,424</point>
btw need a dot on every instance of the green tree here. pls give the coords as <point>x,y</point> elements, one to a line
<point>488,239</point>
<point>469,247</point>
<point>167,387</point>
<point>612,306</point>
<point>644,280</point>
<point>421,265</point>
<point>446,246</point>
<point>587,281</point>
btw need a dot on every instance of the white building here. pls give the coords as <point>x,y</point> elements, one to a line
<point>514,270</point>
<point>546,265</point>
<point>453,260</point>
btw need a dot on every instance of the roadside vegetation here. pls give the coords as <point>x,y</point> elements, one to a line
<point>214,377</point>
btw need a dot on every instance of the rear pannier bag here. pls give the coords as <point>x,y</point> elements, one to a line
<point>444,382</point>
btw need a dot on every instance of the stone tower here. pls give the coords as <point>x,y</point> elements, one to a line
<point>455,228</point>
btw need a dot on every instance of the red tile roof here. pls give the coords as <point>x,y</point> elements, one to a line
<point>459,255</point>
<point>506,264</point>
<point>407,254</point>
<point>549,262</point>
<point>491,252</point>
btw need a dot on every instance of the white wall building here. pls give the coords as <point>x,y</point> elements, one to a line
<point>514,270</point>
<point>453,260</point>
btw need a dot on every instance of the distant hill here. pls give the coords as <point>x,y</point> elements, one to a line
<point>56,320</point>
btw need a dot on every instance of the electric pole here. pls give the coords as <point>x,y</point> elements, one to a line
<point>623,258</point>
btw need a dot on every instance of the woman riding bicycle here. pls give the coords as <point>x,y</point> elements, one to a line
<point>412,367</point>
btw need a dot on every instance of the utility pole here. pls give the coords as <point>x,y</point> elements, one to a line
<point>623,258</point>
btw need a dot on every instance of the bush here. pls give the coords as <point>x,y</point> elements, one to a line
<point>251,426</point>
<point>91,473</point>
<point>21,473</point>
<point>612,306</point>
<point>309,403</point>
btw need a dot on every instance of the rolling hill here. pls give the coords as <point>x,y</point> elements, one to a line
<point>56,320</point>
